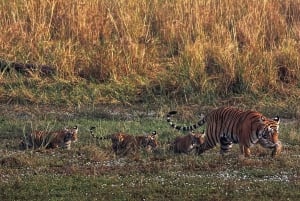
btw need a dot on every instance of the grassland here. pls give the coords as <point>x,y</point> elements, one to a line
<point>121,65</point>
<point>194,52</point>
<point>90,171</point>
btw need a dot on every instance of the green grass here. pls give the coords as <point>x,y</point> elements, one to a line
<point>90,171</point>
<point>150,187</point>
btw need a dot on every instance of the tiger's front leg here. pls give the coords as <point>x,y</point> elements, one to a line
<point>245,151</point>
<point>226,145</point>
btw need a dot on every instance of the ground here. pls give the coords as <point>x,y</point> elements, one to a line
<point>91,171</point>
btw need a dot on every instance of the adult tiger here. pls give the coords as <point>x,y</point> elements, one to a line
<point>50,140</point>
<point>187,143</point>
<point>124,144</point>
<point>229,125</point>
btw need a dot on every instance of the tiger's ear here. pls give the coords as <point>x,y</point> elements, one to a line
<point>75,129</point>
<point>277,119</point>
<point>154,133</point>
<point>121,138</point>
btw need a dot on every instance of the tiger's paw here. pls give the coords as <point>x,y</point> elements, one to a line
<point>277,149</point>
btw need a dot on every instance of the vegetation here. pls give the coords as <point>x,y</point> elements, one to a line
<point>121,65</point>
<point>143,51</point>
<point>90,170</point>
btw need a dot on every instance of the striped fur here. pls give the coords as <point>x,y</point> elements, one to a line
<point>50,140</point>
<point>228,125</point>
<point>124,144</point>
<point>187,143</point>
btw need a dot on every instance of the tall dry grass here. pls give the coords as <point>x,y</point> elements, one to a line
<point>176,47</point>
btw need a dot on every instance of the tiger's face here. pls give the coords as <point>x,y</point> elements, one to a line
<point>270,135</point>
<point>118,141</point>
<point>198,139</point>
<point>69,135</point>
<point>118,138</point>
<point>152,140</point>
<point>271,130</point>
<point>149,141</point>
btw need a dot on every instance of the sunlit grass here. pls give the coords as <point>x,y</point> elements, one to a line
<point>151,51</point>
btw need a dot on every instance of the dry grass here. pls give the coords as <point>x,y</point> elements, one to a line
<point>153,48</point>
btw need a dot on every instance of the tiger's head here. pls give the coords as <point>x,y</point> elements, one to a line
<point>149,141</point>
<point>270,130</point>
<point>198,138</point>
<point>198,141</point>
<point>70,135</point>
<point>118,139</point>
<point>269,136</point>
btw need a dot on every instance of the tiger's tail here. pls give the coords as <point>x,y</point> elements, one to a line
<point>185,128</point>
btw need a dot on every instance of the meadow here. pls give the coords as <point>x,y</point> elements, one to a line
<point>121,66</point>
<point>91,171</point>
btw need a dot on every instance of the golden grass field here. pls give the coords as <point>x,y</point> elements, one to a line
<point>153,48</point>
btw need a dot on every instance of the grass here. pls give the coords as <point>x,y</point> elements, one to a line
<point>121,66</point>
<point>90,171</point>
<point>138,187</point>
<point>196,53</point>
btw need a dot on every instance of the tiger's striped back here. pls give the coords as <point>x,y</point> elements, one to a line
<point>187,143</point>
<point>45,139</point>
<point>229,125</point>
<point>125,144</point>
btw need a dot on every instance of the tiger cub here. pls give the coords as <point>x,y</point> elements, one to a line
<point>124,144</point>
<point>148,142</point>
<point>187,143</point>
<point>50,140</point>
